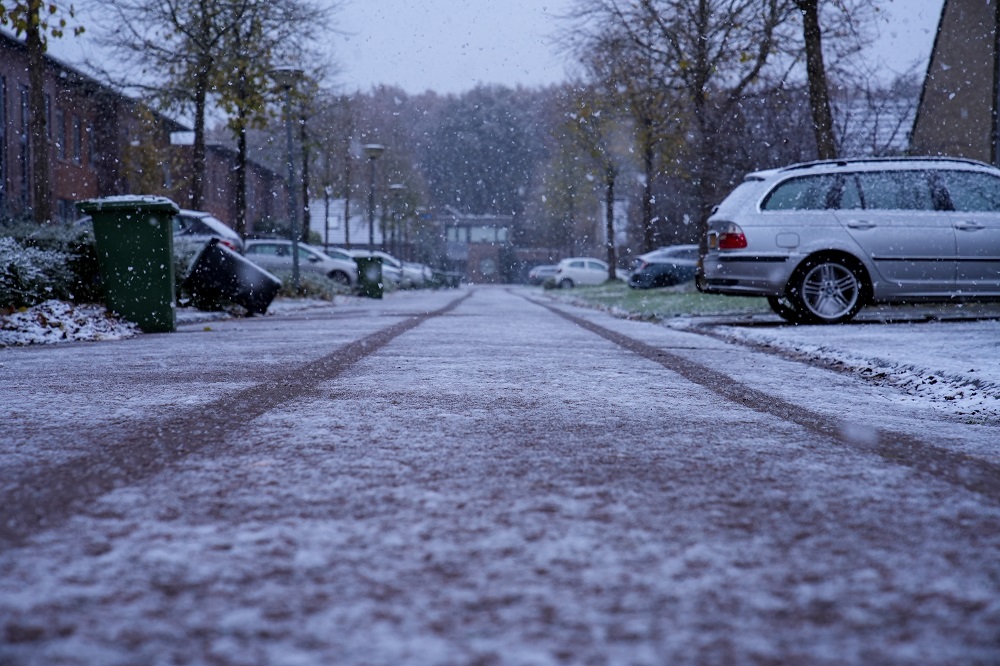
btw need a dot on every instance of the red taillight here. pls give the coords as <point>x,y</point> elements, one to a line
<point>230,244</point>
<point>732,238</point>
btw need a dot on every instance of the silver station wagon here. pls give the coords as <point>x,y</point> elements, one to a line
<point>821,240</point>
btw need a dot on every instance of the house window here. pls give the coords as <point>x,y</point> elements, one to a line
<point>60,134</point>
<point>25,144</point>
<point>91,150</point>
<point>77,140</point>
<point>3,144</point>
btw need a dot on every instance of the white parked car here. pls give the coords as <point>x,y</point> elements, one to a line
<point>415,275</point>
<point>192,229</point>
<point>823,239</point>
<point>275,255</point>
<point>583,270</point>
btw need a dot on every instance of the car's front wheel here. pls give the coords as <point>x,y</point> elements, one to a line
<point>565,283</point>
<point>826,290</point>
<point>340,277</point>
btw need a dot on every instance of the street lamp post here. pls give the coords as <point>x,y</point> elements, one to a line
<point>373,151</point>
<point>398,192</point>
<point>286,78</point>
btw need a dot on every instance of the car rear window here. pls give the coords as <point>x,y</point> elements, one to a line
<point>805,193</point>
<point>972,191</point>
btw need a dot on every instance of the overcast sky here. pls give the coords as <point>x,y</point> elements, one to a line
<point>450,46</point>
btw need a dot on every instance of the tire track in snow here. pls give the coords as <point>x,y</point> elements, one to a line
<point>979,476</point>
<point>51,494</point>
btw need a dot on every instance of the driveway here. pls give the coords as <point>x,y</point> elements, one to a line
<point>482,477</point>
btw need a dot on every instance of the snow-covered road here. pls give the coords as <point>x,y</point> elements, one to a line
<point>397,482</point>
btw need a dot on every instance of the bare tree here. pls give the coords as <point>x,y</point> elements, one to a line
<point>819,94</point>
<point>594,125</point>
<point>267,33</point>
<point>179,44</point>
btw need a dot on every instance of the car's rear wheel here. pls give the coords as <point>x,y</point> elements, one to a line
<point>826,290</point>
<point>565,283</point>
<point>340,277</point>
<point>783,307</point>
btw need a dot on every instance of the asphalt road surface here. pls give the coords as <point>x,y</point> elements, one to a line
<point>481,476</point>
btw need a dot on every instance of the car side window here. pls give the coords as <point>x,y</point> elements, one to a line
<point>594,266</point>
<point>850,194</point>
<point>896,190</point>
<point>266,248</point>
<point>576,264</point>
<point>973,192</point>
<point>182,225</point>
<point>803,193</point>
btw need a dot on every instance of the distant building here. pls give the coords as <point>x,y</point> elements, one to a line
<point>478,246</point>
<point>958,111</point>
<point>104,143</point>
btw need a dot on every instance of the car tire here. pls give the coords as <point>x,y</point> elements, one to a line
<point>827,290</point>
<point>783,307</point>
<point>340,277</point>
<point>565,283</point>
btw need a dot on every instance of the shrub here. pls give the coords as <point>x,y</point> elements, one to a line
<point>50,261</point>
<point>311,286</point>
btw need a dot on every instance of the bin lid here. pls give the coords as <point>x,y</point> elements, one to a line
<point>129,202</point>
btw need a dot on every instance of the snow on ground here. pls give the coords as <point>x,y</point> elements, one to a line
<point>953,365</point>
<point>58,321</point>
<point>946,364</point>
<point>55,321</point>
<point>499,486</point>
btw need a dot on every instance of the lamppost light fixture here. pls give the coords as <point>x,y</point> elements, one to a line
<point>286,77</point>
<point>374,150</point>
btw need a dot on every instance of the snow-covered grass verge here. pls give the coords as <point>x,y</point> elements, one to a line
<point>60,321</point>
<point>952,365</point>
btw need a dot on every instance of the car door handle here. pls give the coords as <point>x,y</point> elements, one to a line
<point>968,226</point>
<point>861,224</point>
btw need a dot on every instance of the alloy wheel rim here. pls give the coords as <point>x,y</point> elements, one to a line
<point>830,291</point>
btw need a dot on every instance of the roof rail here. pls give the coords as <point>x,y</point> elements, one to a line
<point>876,160</point>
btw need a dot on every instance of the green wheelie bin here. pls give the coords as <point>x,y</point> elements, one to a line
<point>135,254</point>
<point>369,276</point>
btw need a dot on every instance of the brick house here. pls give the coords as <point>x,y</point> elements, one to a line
<point>104,143</point>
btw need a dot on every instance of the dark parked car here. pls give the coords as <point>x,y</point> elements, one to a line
<point>664,267</point>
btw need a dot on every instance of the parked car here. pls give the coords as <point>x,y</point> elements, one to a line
<point>823,239</point>
<point>193,229</point>
<point>392,269</point>
<point>664,267</point>
<point>539,274</point>
<point>275,255</point>
<point>415,275</point>
<point>583,270</point>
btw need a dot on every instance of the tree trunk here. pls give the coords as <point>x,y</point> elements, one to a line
<point>38,133</point>
<point>819,95</point>
<point>306,218</point>
<point>241,177</point>
<point>198,150</point>
<point>610,175</point>
<point>648,232</point>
